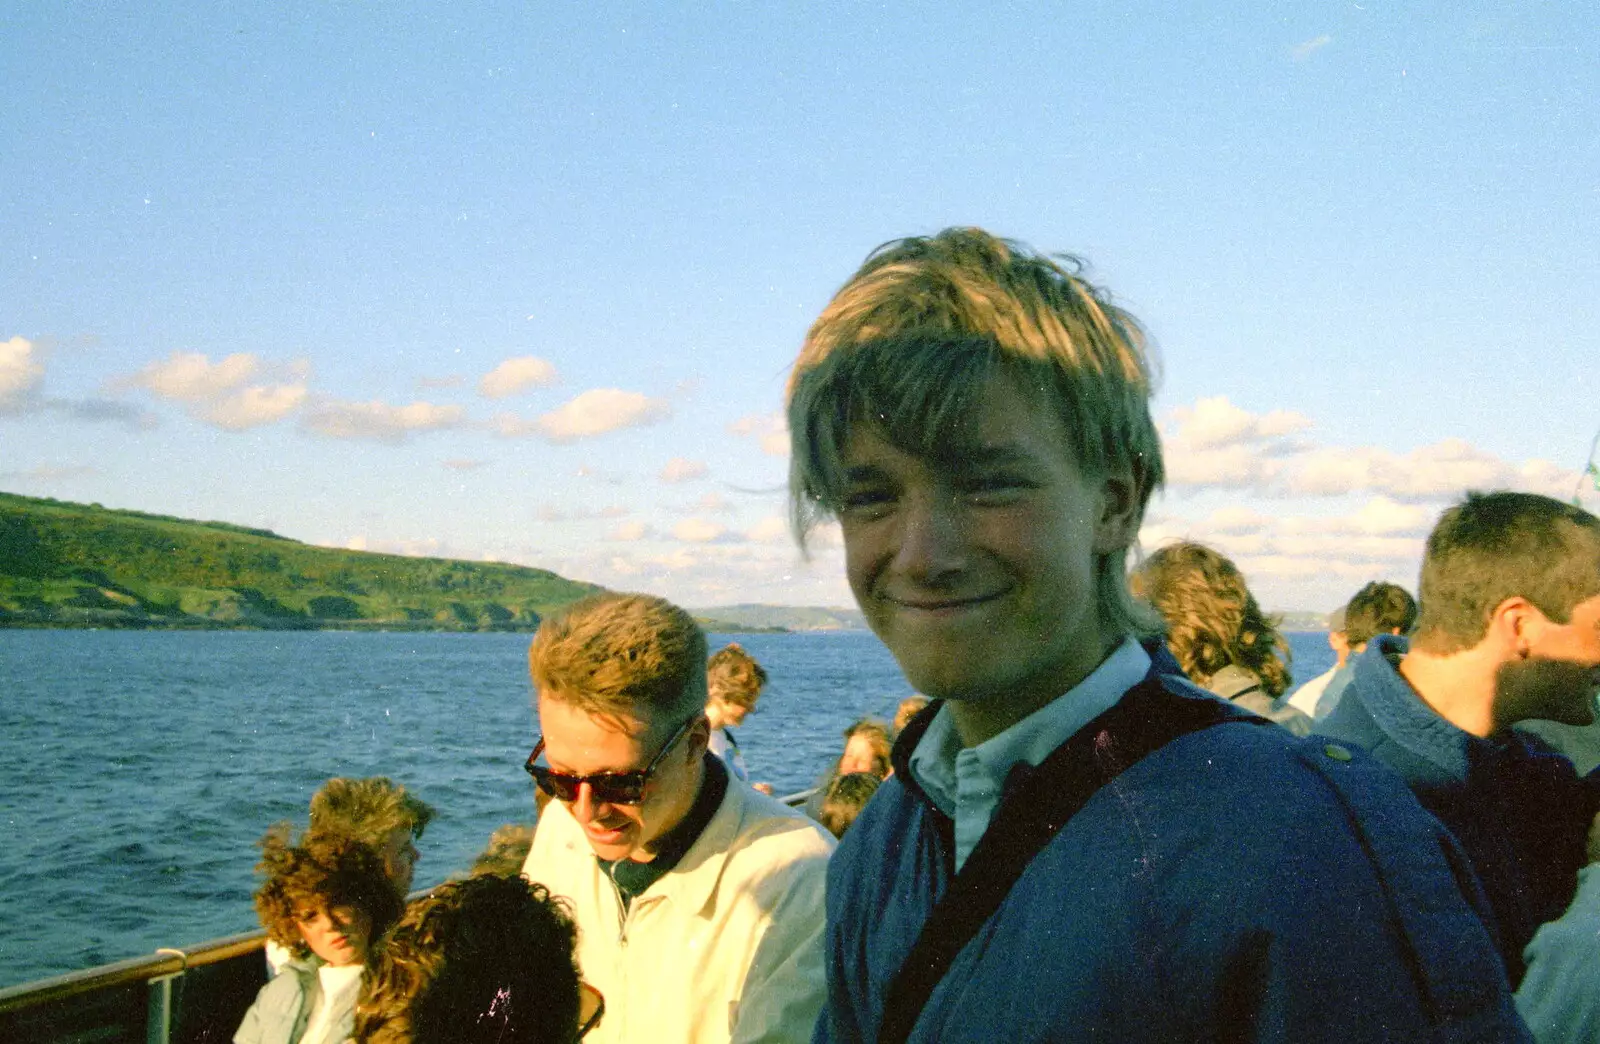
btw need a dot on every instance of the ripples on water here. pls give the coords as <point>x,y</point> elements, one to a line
<point>137,769</point>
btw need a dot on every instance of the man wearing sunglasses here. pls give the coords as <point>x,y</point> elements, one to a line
<point>699,904</point>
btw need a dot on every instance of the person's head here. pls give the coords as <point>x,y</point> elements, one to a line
<point>1518,574</point>
<point>506,851</point>
<point>379,813</point>
<point>844,799</point>
<point>909,708</point>
<point>1213,620</point>
<point>1378,608</point>
<point>1338,641</point>
<point>976,416</point>
<point>733,683</point>
<point>327,896</point>
<point>866,749</point>
<point>486,960</point>
<point>621,685</point>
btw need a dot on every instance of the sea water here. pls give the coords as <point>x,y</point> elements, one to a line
<point>138,768</point>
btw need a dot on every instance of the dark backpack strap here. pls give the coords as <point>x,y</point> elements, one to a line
<point>1147,718</point>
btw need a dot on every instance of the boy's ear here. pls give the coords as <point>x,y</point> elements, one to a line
<point>1120,513</point>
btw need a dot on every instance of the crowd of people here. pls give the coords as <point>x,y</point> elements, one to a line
<point>1110,819</point>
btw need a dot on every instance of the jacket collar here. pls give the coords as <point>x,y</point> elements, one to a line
<point>1402,715</point>
<point>693,881</point>
<point>1162,663</point>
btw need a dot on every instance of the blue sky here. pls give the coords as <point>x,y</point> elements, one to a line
<point>523,281</point>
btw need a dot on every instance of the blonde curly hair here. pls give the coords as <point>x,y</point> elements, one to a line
<point>1212,619</point>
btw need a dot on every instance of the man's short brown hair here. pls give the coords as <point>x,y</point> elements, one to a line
<point>911,341</point>
<point>1378,608</point>
<point>1495,546</point>
<point>734,676</point>
<point>622,654</point>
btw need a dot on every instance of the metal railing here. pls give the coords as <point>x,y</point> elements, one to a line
<point>164,962</point>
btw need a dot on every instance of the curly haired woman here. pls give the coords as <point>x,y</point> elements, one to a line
<point>486,959</point>
<point>1217,632</point>
<point>325,900</point>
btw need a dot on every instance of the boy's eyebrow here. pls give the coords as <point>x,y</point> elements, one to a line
<point>864,473</point>
<point>965,459</point>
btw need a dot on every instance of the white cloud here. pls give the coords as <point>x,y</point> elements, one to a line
<point>629,531</point>
<point>714,503</point>
<point>515,375</point>
<point>698,531</point>
<point>771,530</point>
<point>1231,467</point>
<point>220,393</point>
<point>682,469</point>
<point>425,547</point>
<point>1308,561</point>
<point>192,377</point>
<point>51,473</point>
<point>378,420</point>
<point>1215,444</point>
<point>1302,51</point>
<point>253,406</point>
<point>770,430</point>
<point>595,412</point>
<point>1442,471</point>
<point>20,371</point>
<point>1214,423</point>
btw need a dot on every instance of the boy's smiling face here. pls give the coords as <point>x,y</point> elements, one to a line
<point>978,572</point>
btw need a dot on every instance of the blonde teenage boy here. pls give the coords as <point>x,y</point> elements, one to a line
<point>975,416</point>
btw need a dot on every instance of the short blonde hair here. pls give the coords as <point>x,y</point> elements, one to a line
<point>368,809</point>
<point>734,676</point>
<point>622,654</point>
<point>910,342</point>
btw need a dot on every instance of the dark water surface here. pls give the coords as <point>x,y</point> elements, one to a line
<point>138,768</point>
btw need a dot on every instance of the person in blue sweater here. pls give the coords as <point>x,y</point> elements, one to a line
<point>1077,844</point>
<point>1509,630</point>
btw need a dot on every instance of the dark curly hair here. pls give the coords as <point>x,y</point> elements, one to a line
<point>485,959</point>
<point>844,799</point>
<point>320,871</point>
<point>1213,620</point>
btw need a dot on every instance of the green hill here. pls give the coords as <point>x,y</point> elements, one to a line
<point>78,565</point>
<point>747,617</point>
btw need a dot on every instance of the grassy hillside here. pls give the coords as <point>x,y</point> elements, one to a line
<point>77,565</point>
<point>784,618</point>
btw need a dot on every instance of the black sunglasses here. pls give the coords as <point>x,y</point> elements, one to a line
<point>605,788</point>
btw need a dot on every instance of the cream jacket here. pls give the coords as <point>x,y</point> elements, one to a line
<point>727,947</point>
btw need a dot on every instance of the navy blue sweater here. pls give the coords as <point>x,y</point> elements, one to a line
<point>1237,884</point>
<point>1521,812</point>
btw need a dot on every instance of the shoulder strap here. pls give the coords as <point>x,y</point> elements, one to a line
<point>1146,719</point>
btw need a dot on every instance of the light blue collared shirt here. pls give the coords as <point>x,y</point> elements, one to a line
<point>964,782</point>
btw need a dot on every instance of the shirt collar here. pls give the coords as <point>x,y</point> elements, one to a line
<point>1034,738</point>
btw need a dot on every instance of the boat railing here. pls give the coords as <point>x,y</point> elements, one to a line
<point>188,995</point>
<point>173,996</point>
